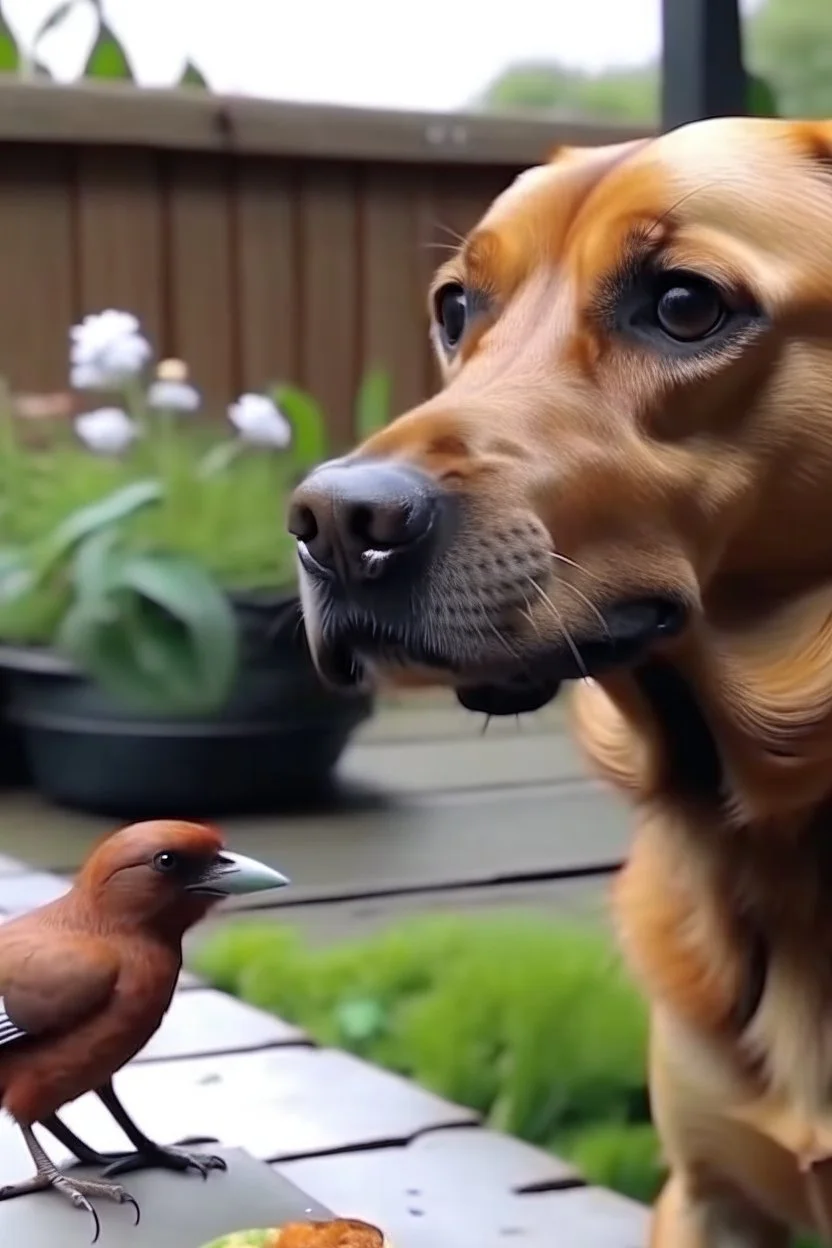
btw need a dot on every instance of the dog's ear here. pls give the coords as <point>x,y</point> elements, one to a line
<point>607,153</point>
<point>814,140</point>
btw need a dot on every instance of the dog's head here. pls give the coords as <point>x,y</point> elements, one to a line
<point>635,431</point>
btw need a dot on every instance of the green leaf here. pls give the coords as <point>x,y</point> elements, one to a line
<point>760,98</point>
<point>9,49</point>
<point>107,511</point>
<point>153,629</point>
<point>95,567</point>
<point>360,1020</point>
<point>220,457</point>
<point>309,432</point>
<point>107,58</point>
<point>372,404</point>
<point>192,77</point>
<point>16,576</point>
<point>183,589</point>
<point>54,19</point>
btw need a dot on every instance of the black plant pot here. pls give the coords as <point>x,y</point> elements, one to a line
<point>14,768</point>
<point>273,745</point>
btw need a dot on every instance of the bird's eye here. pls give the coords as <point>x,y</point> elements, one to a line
<point>450,307</point>
<point>689,308</point>
<point>166,861</point>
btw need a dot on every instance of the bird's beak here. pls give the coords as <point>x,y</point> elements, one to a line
<point>234,874</point>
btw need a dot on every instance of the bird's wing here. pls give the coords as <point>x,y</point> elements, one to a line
<point>51,981</point>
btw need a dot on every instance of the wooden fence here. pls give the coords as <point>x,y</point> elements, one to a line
<point>257,241</point>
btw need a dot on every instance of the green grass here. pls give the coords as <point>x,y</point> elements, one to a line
<point>531,1023</point>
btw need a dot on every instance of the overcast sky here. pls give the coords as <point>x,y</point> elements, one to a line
<point>428,54</point>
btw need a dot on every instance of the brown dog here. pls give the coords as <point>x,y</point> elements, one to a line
<point>629,476</point>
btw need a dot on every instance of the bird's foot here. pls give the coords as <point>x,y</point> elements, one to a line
<point>161,1157</point>
<point>79,1191</point>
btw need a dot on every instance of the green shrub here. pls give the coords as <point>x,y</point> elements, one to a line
<point>531,1023</point>
<point>625,1158</point>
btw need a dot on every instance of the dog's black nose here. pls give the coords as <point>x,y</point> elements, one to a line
<point>358,519</point>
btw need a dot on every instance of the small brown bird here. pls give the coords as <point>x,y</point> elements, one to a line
<point>86,981</point>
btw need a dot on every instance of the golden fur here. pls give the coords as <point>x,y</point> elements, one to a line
<point>711,477</point>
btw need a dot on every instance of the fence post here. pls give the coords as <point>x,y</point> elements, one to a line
<point>702,67</point>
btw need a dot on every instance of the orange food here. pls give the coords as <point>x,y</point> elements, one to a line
<point>343,1233</point>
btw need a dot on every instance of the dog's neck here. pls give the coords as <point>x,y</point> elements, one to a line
<point>736,716</point>
<point>725,741</point>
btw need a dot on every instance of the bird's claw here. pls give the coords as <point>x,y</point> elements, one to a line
<point>78,1191</point>
<point>161,1158</point>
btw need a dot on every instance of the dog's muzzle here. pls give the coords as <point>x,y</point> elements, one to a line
<point>388,579</point>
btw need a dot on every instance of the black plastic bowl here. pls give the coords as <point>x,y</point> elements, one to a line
<point>273,745</point>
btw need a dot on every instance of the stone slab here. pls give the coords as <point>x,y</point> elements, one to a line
<point>419,841</point>
<point>188,981</point>
<point>25,890</point>
<point>177,1211</point>
<point>440,1166</point>
<point>203,1022</point>
<point>467,1202</point>
<point>582,898</point>
<point>278,1103</point>
<point>12,866</point>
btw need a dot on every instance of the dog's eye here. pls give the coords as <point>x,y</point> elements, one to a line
<point>689,308</point>
<point>451,311</point>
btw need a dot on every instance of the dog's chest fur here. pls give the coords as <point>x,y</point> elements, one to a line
<point>728,926</point>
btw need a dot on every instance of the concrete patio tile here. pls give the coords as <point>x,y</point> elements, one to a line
<point>22,891</point>
<point>278,1103</point>
<point>188,981</point>
<point>177,1211</point>
<point>12,866</point>
<point>466,1201</point>
<point>439,1167</point>
<point>203,1022</point>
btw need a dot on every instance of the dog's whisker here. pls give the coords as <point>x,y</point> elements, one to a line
<point>579,567</point>
<point>485,724</point>
<point>578,593</point>
<point>588,602</point>
<point>504,642</point>
<point>452,233</point>
<point>567,636</point>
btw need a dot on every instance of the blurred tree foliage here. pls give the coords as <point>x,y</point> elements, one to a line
<point>107,59</point>
<point>788,52</point>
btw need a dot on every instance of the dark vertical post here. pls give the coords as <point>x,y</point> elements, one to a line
<point>702,69</point>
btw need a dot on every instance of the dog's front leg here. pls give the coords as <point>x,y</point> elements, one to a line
<point>690,1216</point>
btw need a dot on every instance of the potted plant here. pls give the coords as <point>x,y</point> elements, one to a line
<point>150,631</point>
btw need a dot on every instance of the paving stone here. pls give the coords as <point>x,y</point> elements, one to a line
<point>178,1211</point>
<point>188,981</point>
<point>277,1103</point>
<point>438,1166</point>
<point>12,866</point>
<point>23,891</point>
<point>424,1201</point>
<point>205,1022</point>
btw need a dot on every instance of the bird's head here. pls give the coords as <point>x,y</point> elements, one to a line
<point>166,874</point>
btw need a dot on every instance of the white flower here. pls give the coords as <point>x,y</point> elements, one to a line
<point>107,430</point>
<point>259,420</point>
<point>171,391</point>
<point>106,350</point>
<point>173,396</point>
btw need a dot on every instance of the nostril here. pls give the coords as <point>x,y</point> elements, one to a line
<point>302,524</point>
<point>384,526</point>
<point>361,526</point>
